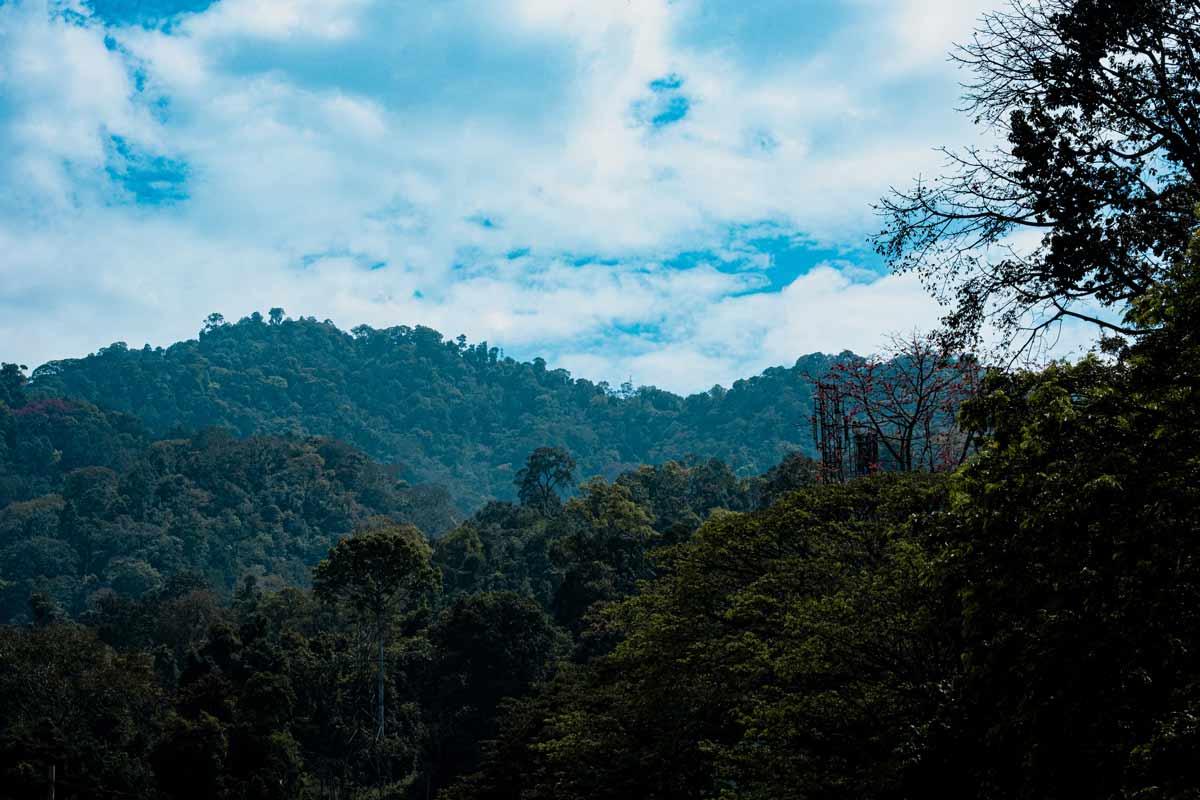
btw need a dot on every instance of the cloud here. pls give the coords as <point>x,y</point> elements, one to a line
<point>674,190</point>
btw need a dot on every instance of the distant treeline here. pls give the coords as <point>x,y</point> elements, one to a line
<point>445,412</point>
<point>90,504</point>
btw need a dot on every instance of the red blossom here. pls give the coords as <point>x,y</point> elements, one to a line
<point>51,405</point>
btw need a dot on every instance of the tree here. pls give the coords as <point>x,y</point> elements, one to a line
<point>12,383</point>
<point>547,470</point>
<point>380,571</point>
<point>486,647</point>
<point>602,552</point>
<point>895,409</point>
<point>1098,106</point>
<point>75,713</point>
<point>1072,547</point>
<point>189,759</point>
<point>796,471</point>
<point>213,322</point>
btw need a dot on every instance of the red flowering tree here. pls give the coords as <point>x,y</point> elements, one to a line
<point>894,410</point>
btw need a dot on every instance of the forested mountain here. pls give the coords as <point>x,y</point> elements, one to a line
<point>446,412</point>
<point>91,506</point>
<point>272,687</point>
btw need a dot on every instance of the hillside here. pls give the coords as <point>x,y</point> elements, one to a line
<point>90,506</point>
<point>444,411</point>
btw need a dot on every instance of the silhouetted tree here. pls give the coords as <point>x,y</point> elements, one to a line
<point>547,470</point>
<point>1098,105</point>
<point>12,383</point>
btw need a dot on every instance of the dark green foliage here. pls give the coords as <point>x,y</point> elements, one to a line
<point>487,647</point>
<point>601,550</point>
<point>1073,546</point>
<point>73,704</point>
<point>448,413</point>
<point>379,571</point>
<point>383,574</point>
<point>117,514</point>
<point>796,471</point>
<point>598,545</point>
<point>547,471</point>
<point>1029,633</point>
<point>1023,628</point>
<point>12,385</point>
<point>784,654</point>
<point>44,440</point>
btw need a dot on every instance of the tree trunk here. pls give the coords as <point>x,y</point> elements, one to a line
<point>380,687</point>
<point>52,781</point>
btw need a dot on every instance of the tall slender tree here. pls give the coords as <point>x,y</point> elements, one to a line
<point>379,572</point>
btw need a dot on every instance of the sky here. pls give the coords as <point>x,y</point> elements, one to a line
<point>676,192</point>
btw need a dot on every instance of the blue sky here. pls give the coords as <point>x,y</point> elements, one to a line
<point>677,191</point>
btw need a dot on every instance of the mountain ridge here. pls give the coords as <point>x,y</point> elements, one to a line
<point>444,410</point>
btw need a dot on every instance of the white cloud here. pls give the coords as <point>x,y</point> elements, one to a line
<point>279,19</point>
<point>324,138</point>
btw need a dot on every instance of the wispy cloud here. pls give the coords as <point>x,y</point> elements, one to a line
<point>677,191</point>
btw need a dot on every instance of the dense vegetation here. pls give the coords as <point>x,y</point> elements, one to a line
<point>89,505</point>
<point>390,674</point>
<point>1023,625</point>
<point>445,412</point>
<point>1024,628</point>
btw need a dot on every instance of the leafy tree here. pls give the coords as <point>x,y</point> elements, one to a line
<point>462,559</point>
<point>213,322</point>
<point>546,471</point>
<point>1098,104</point>
<point>796,471</point>
<point>1072,547</point>
<point>379,572</point>
<point>12,383</point>
<point>603,551</point>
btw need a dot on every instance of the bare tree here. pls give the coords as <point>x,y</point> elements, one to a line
<point>896,409</point>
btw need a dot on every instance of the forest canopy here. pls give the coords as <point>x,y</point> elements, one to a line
<point>445,412</point>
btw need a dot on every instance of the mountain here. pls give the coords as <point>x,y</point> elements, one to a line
<point>445,412</point>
